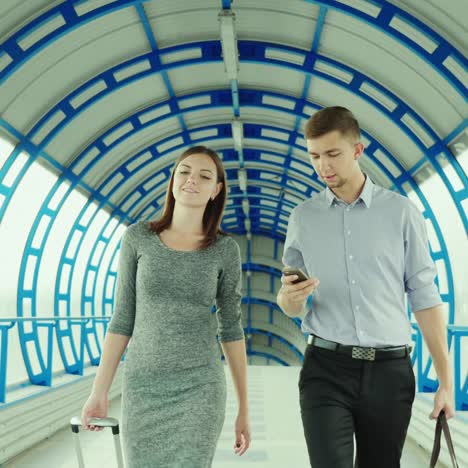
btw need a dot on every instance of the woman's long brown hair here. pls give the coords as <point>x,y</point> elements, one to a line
<point>214,209</point>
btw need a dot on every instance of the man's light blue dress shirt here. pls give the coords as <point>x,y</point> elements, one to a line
<point>369,256</point>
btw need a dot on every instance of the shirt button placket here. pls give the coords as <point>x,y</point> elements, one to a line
<point>353,292</point>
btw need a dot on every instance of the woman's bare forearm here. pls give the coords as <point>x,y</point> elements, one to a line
<point>113,349</point>
<point>236,357</point>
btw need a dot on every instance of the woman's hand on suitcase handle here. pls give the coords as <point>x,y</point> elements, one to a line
<point>95,407</point>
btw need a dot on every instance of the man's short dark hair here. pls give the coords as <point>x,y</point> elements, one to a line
<point>333,118</point>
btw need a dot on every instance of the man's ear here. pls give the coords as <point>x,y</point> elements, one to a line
<point>359,149</point>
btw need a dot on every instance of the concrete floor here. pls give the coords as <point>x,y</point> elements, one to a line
<point>277,438</point>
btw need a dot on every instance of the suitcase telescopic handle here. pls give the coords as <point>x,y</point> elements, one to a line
<point>113,423</point>
<point>100,422</point>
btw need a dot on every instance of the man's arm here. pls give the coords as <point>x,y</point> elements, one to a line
<point>433,328</point>
<point>292,298</point>
<point>288,307</point>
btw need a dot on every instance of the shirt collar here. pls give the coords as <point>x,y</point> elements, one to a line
<point>366,194</point>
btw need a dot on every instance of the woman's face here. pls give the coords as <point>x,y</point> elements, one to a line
<point>195,181</point>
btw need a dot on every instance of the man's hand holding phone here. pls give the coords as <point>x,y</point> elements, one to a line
<point>297,287</point>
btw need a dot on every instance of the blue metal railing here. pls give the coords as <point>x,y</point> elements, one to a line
<point>44,378</point>
<point>422,368</point>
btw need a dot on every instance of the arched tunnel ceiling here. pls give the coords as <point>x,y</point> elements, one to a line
<point>108,93</point>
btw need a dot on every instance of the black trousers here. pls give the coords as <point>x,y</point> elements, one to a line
<point>342,397</point>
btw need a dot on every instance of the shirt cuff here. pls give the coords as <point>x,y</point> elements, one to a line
<point>424,298</point>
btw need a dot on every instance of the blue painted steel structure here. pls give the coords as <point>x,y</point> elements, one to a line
<point>72,20</point>
<point>130,209</point>
<point>256,52</point>
<point>67,334</point>
<point>77,367</point>
<point>382,22</point>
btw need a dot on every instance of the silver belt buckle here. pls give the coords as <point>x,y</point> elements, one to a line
<point>363,353</point>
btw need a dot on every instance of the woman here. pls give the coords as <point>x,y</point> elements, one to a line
<point>170,274</point>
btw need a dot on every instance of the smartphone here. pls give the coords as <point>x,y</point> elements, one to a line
<point>301,276</point>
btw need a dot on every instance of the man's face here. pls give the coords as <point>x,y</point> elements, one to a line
<point>334,157</point>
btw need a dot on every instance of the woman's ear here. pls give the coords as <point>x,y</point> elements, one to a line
<point>219,186</point>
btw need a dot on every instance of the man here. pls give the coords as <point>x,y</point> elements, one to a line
<point>368,249</point>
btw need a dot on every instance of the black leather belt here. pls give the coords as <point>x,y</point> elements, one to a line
<point>358,352</point>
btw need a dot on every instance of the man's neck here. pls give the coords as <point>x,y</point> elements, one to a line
<point>351,191</point>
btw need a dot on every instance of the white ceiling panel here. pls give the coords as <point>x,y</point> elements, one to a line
<point>16,13</point>
<point>220,144</point>
<point>377,175</point>
<point>290,23</point>
<point>64,66</point>
<point>195,78</point>
<point>138,141</point>
<point>267,144</point>
<point>370,120</point>
<point>393,65</point>
<point>185,22</point>
<point>262,116</point>
<point>271,78</point>
<point>446,18</point>
<point>211,116</point>
<point>109,110</point>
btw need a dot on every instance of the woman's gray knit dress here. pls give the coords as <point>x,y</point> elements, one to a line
<point>174,390</point>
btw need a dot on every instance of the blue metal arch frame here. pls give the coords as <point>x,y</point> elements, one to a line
<point>72,264</point>
<point>250,266</point>
<point>254,197</point>
<point>274,273</point>
<point>271,305</point>
<point>382,22</point>
<point>322,2</point>
<point>12,48</point>
<point>255,52</point>
<point>159,106</point>
<point>78,158</point>
<point>275,46</point>
<point>428,366</point>
<point>377,163</point>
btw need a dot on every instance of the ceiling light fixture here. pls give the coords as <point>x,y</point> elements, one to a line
<point>237,133</point>
<point>229,43</point>
<point>245,206</point>
<point>242,176</point>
